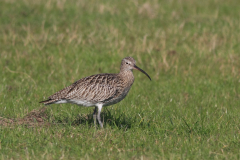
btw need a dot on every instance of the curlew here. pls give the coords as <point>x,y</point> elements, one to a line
<point>98,90</point>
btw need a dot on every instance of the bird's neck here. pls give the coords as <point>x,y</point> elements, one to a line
<point>126,76</point>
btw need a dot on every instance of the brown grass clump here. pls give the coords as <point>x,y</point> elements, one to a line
<point>32,119</point>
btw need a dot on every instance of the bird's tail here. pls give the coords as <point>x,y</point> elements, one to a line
<point>49,101</point>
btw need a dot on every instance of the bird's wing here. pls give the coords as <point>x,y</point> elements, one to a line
<point>96,88</point>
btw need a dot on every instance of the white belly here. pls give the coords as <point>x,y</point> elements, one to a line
<point>77,102</point>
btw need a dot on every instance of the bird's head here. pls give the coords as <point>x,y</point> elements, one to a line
<point>129,63</point>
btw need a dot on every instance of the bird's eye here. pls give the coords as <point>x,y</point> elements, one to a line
<point>126,62</point>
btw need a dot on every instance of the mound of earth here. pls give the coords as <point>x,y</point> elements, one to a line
<point>32,119</point>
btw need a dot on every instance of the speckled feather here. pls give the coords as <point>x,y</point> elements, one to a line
<point>105,88</point>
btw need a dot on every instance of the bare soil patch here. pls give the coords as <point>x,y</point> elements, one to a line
<point>32,119</point>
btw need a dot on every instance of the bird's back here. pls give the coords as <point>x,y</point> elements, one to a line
<point>101,88</point>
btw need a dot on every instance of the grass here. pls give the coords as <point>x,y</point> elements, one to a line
<point>190,109</point>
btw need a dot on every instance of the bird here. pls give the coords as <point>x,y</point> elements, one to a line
<point>98,90</point>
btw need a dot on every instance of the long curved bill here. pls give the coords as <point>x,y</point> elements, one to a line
<point>137,68</point>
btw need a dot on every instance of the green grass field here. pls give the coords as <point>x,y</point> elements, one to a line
<point>191,50</point>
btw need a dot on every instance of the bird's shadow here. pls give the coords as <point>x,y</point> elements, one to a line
<point>108,119</point>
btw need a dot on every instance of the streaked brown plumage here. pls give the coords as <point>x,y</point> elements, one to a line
<point>98,90</point>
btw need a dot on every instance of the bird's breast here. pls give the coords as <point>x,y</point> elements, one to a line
<point>120,97</point>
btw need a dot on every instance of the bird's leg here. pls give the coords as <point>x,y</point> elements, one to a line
<point>95,116</point>
<point>98,115</point>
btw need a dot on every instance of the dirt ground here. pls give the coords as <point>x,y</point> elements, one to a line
<point>32,119</point>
